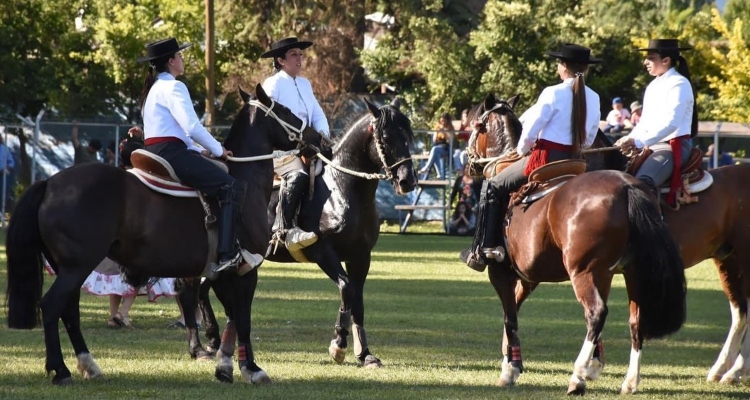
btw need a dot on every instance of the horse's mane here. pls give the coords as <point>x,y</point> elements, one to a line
<point>389,116</point>
<point>236,132</point>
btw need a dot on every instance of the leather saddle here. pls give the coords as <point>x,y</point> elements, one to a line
<point>546,179</point>
<point>156,173</point>
<point>694,178</point>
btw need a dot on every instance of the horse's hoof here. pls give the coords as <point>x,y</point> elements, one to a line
<point>713,378</point>
<point>223,375</point>
<point>729,379</point>
<point>337,354</point>
<point>204,357</point>
<point>505,382</point>
<point>627,389</point>
<point>63,382</point>
<point>509,375</point>
<point>371,362</point>
<point>256,377</point>
<point>577,388</point>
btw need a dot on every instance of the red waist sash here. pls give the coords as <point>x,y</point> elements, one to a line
<point>162,139</point>
<point>540,155</point>
<point>676,181</point>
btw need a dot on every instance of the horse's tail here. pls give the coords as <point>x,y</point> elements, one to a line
<point>655,267</point>
<point>23,247</point>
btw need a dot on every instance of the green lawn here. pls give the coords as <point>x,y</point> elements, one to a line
<point>435,324</point>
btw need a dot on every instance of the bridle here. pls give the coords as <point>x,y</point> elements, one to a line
<point>474,157</point>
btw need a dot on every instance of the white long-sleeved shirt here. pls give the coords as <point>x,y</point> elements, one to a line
<point>550,118</point>
<point>169,112</point>
<point>297,95</point>
<point>667,110</point>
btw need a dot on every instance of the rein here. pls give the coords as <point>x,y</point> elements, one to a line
<point>380,147</point>
<point>275,154</point>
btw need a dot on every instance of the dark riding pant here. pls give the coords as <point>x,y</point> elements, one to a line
<point>192,168</point>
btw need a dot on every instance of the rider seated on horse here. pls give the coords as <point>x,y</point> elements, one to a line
<point>669,119</point>
<point>564,120</point>
<point>170,125</point>
<point>295,92</point>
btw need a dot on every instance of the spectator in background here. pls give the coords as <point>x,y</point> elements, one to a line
<point>617,117</point>
<point>463,222</point>
<point>109,153</point>
<point>635,114</point>
<point>442,135</point>
<point>462,139</point>
<point>84,154</point>
<point>724,158</point>
<point>466,189</point>
<point>8,163</point>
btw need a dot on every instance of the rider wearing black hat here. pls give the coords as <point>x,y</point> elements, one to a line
<point>294,92</point>
<point>669,119</point>
<point>564,120</point>
<point>170,125</point>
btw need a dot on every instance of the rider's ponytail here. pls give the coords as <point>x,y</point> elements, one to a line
<point>578,114</point>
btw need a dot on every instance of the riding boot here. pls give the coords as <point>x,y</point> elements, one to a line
<point>231,198</point>
<point>488,236</point>
<point>290,194</point>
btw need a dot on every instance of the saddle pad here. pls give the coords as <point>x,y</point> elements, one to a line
<point>695,187</point>
<point>155,165</point>
<point>161,185</point>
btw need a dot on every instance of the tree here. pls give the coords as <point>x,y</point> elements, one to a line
<point>732,81</point>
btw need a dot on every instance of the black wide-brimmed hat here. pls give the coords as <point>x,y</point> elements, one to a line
<point>280,47</point>
<point>161,48</point>
<point>664,45</point>
<point>575,54</point>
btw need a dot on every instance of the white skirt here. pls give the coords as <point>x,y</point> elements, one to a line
<point>104,285</point>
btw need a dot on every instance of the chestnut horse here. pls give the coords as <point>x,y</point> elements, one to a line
<point>85,213</point>
<point>344,215</point>
<point>594,226</point>
<point>717,227</point>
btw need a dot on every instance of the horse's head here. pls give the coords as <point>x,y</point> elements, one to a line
<point>393,137</point>
<point>610,159</point>
<point>496,129</point>
<point>277,124</point>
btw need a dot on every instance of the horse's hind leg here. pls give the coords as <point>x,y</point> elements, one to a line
<point>741,367</point>
<point>731,280</point>
<point>357,275</point>
<point>187,298</point>
<point>71,318</point>
<point>210,324</point>
<point>592,292</point>
<point>64,290</point>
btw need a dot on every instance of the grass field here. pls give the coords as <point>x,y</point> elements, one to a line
<point>435,324</point>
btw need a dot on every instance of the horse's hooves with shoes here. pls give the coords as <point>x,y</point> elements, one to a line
<point>337,354</point>
<point>257,377</point>
<point>223,375</point>
<point>371,362</point>
<point>577,388</point>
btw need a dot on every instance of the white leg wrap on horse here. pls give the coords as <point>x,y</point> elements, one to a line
<point>508,375</point>
<point>224,362</point>
<point>633,377</point>
<point>87,366</point>
<point>741,368</point>
<point>584,357</point>
<point>731,348</point>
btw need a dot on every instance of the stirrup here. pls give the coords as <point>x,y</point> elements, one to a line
<point>233,262</point>
<point>495,253</point>
<point>297,239</point>
<point>472,261</point>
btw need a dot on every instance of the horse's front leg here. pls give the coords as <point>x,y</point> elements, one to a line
<point>503,279</point>
<point>741,368</point>
<point>329,262</point>
<point>209,318</point>
<point>187,300</point>
<point>358,271</point>
<point>243,292</point>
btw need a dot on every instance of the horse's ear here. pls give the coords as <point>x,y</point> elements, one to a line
<point>396,103</point>
<point>261,95</point>
<point>372,108</point>
<point>490,101</point>
<point>245,96</point>
<point>514,100</point>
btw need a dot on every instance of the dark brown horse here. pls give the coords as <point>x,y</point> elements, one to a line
<point>92,211</point>
<point>592,227</point>
<point>717,227</point>
<point>344,215</point>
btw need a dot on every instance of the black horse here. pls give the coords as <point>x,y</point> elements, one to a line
<point>343,214</point>
<point>86,213</point>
